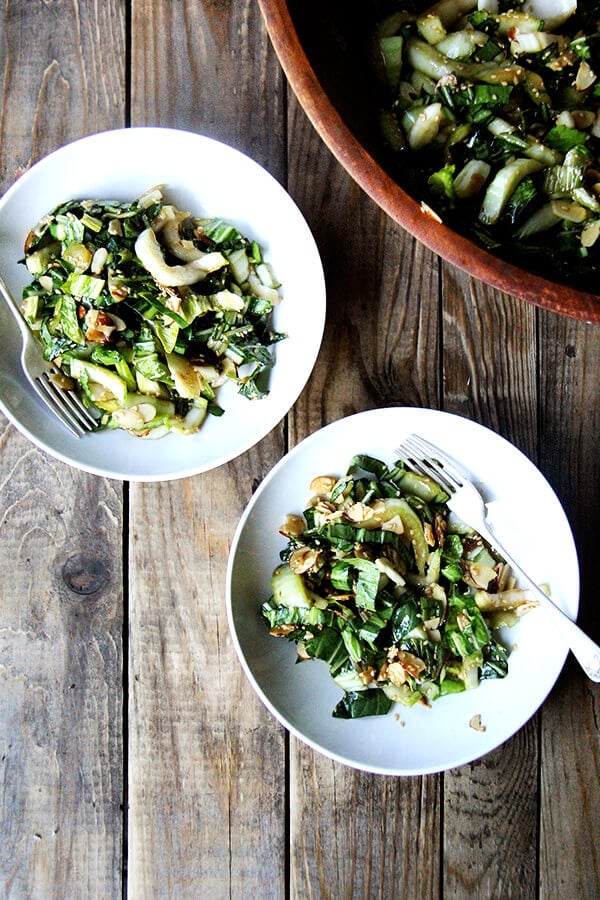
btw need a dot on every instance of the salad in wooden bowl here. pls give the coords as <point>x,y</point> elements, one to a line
<point>472,124</point>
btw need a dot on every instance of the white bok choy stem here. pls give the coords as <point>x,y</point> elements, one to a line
<point>553,12</point>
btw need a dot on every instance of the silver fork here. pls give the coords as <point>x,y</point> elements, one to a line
<point>465,500</point>
<point>64,403</point>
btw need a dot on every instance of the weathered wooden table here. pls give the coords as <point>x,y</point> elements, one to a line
<point>134,755</point>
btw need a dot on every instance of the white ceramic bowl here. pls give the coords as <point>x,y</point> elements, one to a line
<point>528,520</point>
<point>207,178</point>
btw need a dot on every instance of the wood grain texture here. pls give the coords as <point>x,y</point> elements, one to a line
<point>221,801</point>
<point>60,678</point>
<point>207,789</point>
<point>356,835</point>
<point>72,85</point>
<point>60,530</point>
<point>570,799</point>
<point>569,426</point>
<point>490,822</point>
<point>489,359</point>
<point>380,344</point>
<point>208,67</point>
<point>205,798</point>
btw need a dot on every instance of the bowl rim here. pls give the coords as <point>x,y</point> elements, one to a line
<point>246,578</point>
<point>178,455</point>
<point>394,201</point>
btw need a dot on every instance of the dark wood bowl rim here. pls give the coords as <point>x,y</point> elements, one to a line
<point>388,195</point>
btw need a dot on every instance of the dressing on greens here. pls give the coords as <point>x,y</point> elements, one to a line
<point>492,117</point>
<point>398,599</point>
<point>148,310</point>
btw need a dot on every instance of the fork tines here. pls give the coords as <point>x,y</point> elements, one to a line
<point>67,406</point>
<point>426,459</point>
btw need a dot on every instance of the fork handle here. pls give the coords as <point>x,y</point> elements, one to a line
<point>582,647</point>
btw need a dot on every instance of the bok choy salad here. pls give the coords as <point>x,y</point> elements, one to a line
<point>147,310</point>
<point>400,600</point>
<point>492,116</point>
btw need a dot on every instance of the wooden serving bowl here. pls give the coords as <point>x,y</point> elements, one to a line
<point>316,45</point>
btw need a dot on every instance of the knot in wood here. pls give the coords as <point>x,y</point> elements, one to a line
<point>84,574</point>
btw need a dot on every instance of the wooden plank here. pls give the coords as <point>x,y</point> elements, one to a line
<point>570,422</point>
<point>570,797</point>
<point>72,85</point>
<point>490,810</point>
<point>60,678</point>
<point>205,759</point>
<point>355,834</point>
<point>491,804</point>
<point>60,530</point>
<point>207,763</point>
<point>489,359</point>
<point>208,67</point>
<point>360,835</point>
<point>381,339</point>
<point>204,797</point>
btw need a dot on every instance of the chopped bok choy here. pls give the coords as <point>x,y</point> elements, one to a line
<point>148,310</point>
<point>400,601</point>
<point>491,115</point>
